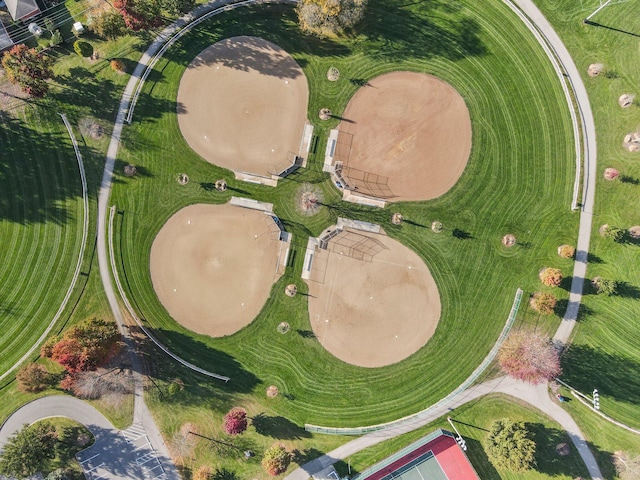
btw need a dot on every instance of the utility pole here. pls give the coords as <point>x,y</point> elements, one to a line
<point>459,439</point>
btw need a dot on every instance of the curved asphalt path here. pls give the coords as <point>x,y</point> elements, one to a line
<point>536,396</point>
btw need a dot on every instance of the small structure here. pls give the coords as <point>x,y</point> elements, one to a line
<point>325,114</point>
<point>129,170</point>
<point>508,240</point>
<point>35,29</point>
<point>78,28</point>
<point>22,9</point>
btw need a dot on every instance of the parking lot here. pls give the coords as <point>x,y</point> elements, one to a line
<point>125,455</point>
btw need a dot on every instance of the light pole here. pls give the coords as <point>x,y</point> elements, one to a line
<point>459,439</point>
<point>596,399</point>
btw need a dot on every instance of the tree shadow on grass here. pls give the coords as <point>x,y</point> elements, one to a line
<point>626,290</point>
<point>278,427</point>
<point>615,376</point>
<point>425,29</point>
<point>38,173</point>
<point>548,460</point>
<point>301,457</point>
<point>275,23</point>
<point>160,366</point>
<point>561,308</point>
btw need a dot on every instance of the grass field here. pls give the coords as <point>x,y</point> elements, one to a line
<point>518,180</point>
<point>41,218</point>
<point>606,350</point>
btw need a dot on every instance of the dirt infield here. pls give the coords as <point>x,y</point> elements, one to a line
<point>411,130</point>
<point>373,313</point>
<point>242,105</point>
<point>212,266</point>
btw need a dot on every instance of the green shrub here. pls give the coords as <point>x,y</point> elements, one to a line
<point>82,48</point>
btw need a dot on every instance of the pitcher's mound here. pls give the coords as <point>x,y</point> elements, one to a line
<point>212,266</point>
<point>371,313</point>
<point>405,136</point>
<point>242,105</point>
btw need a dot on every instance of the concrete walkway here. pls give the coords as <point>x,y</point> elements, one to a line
<point>563,334</point>
<point>536,396</point>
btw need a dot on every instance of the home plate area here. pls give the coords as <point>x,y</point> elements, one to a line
<point>129,456</point>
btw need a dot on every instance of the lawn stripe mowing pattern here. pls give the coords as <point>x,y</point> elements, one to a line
<point>40,226</point>
<point>606,352</point>
<point>519,180</point>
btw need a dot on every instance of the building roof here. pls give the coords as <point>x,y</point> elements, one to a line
<point>19,9</point>
<point>5,39</point>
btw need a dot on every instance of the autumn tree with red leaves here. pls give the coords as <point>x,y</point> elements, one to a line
<point>83,347</point>
<point>235,422</point>
<point>28,69</point>
<point>529,357</point>
<point>139,14</point>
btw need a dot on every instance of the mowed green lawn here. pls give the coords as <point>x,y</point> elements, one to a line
<point>41,218</point>
<point>606,350</point>
<point>519,180</point>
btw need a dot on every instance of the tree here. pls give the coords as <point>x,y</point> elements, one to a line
<point>139,14</point>
<point>529,357</point>
<point>566,251</point>
<point>33,378</point>
<point>235,422</point>
<point>276,459</point>
<point>329,18</point>
<point>605,286</point>
<point>176,7</point>
<point>28,69</point>
<point>551,277</point>
<point>108,24</point>
<point>202,473</point>
<point>627,465</point>
<point>614,233</point>
<point>28,450</point>
<point>543,303</point>
<point>83,347</point>
<point>509,446</point>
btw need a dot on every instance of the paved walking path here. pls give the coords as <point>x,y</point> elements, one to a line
<point>537,396</point>
<point>563,333</point>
